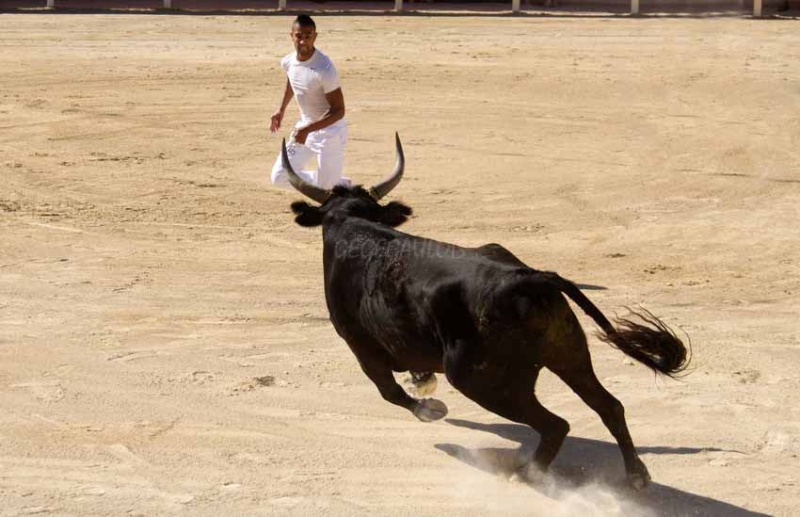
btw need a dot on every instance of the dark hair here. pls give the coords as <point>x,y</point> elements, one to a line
<point>305,20</point>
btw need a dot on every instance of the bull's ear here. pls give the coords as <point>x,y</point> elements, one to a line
<point>307,215</point>
<point>394,214</point>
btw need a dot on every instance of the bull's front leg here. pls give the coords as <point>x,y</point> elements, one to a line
<point>380,373</point>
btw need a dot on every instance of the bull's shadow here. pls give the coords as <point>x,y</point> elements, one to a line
<point>581,461</point>
<point>591,287</point>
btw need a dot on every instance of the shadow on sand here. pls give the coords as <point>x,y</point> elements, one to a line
<point>590,287</point>
<point>582,461</point>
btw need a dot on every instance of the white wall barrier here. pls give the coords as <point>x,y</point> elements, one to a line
<point>515,6</point>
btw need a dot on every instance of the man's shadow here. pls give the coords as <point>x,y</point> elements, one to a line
<point>582,461</point>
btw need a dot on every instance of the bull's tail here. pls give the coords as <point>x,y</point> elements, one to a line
<point>650,342</point>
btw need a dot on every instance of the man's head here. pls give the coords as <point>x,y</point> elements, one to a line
<point>304,33</point>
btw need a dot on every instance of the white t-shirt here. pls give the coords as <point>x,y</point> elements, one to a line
<point>311,80</point>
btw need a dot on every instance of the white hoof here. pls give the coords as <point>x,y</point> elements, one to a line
<point>426,387</point>
<point>429,410</point>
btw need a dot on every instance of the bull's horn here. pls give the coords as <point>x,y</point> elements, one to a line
<point>320,195</point>
<point>386,186</point>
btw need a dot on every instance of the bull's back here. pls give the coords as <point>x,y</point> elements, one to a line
<point>408,295</point>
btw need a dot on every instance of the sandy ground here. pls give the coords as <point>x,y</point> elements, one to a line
<point>164,342</point>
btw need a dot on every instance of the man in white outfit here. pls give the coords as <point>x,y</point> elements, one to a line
<point>322,130</point>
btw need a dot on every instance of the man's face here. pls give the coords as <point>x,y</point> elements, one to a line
<point>303,39</point>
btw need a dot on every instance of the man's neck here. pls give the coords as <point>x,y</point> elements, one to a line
<point>300,58</point>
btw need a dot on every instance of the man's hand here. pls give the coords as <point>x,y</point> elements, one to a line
<point>300,135</point>
<point>277,118</point>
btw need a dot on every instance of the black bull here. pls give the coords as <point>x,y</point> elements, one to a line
<point>478,315</point>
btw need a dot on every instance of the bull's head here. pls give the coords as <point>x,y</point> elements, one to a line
<point>344,201</point>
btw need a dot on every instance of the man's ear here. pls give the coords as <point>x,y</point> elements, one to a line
<point>307,215</point>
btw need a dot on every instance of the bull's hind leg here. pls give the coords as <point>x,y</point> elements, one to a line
<point>551,428</point>
<point>509,392</point>
<point>574,367</point>
<point>379,371</point>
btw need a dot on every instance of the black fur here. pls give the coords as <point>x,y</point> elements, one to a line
<point>479,315</point>
<point>307,215</point>
<point>351,202</point>
<point>656,346</point>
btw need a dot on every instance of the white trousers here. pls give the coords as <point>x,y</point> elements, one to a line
<point>327,146</point>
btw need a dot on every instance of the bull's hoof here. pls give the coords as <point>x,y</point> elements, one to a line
<point>639,478</point>
<point>430,410</point>
<point>530,473</point>
<point>424,383</point>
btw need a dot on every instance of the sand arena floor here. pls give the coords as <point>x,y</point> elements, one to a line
<point>164,343</point>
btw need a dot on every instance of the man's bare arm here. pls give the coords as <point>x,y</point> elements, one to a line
<point>277,117</point>
<point>334,114</point>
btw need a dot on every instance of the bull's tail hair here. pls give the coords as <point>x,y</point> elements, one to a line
<point>651,341</point>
